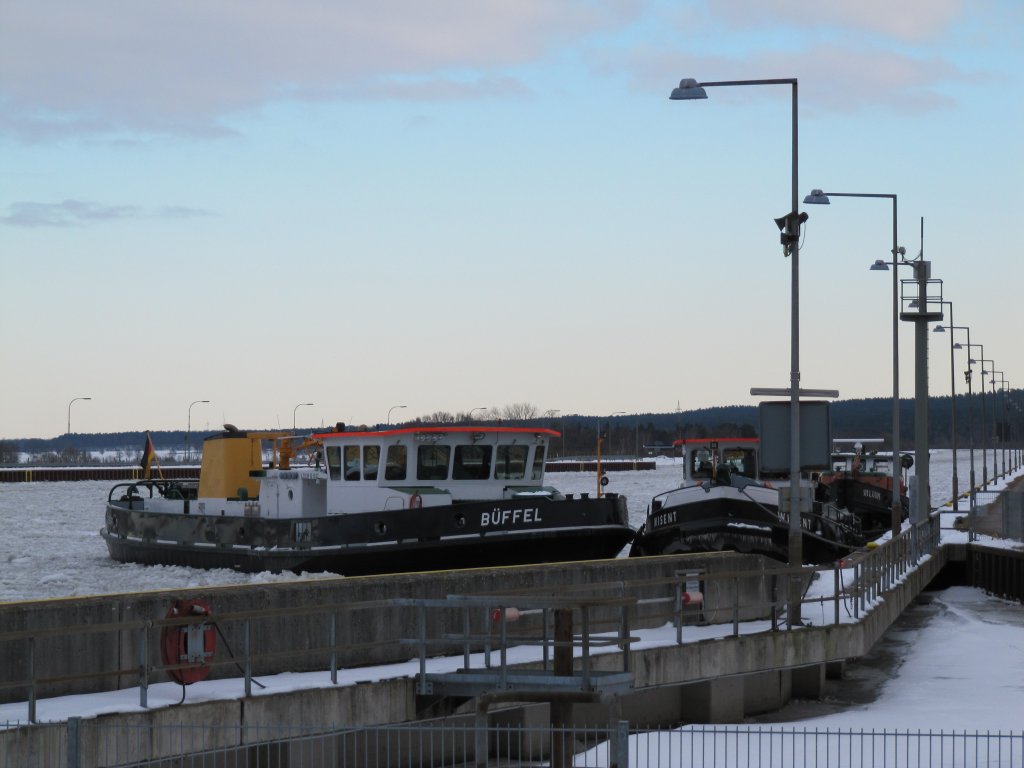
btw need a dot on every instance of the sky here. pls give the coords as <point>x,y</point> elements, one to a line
<point>471,204</point>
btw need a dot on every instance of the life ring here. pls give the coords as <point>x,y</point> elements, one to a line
<point>192,644</point>
<point>415,501</point>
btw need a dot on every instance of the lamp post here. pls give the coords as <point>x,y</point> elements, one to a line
<point>188,431</point>
<point>952,396</point>
<point>789,226</point>
<point>970,421</point>
<point>474,410</point>
<point>970,369</point>
<point>999,428</point>
<point>73,400</point>
<point>986,434</point>
<point>393,407</point>
<point>1007,432</point>
<point>973,499</point>
<point>295,409</point>
<point>817,197</point>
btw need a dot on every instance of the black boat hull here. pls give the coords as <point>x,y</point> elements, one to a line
<point>715,521</point>
<point>467,535</point>
<point>866,497</point>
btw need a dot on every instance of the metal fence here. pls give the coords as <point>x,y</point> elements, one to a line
<point>91,744</point>
<point>728,597</point>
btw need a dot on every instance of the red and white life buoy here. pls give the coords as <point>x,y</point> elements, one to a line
<point>415,501</point>
<point>192,644</point>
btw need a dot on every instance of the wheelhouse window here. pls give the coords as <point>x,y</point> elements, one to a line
<point>432,462</point>
<point>700,462</point>
<point>537,473</point>
<point>472,462</point>
<point>334,462</point>
<point>740,461</point>
<point>351,462</point>
<point>511,462</point>
<point>395,467</point>
<point>371,461</point>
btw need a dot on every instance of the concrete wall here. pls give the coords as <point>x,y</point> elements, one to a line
<point>62,647</point>
<point>712,681</point>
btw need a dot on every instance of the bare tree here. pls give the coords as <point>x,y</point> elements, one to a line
<point>441,417</point>
<point>520,412</point>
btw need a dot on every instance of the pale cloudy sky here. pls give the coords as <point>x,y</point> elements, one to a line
<point>456,204</point>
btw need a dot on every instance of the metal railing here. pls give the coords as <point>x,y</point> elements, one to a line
<point>619,607</point>
<point>94,744</point>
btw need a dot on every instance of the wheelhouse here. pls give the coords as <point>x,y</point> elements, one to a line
<point>706,458</point>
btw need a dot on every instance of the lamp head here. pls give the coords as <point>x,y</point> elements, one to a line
<point>688,89</point>
<point>817,197</point>
<point>938,329</point>
<point>880,265</point>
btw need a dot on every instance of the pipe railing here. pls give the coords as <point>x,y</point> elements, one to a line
<point>607,621</point>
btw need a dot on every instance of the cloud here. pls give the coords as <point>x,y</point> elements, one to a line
<point>68,213</point>
<point>78,213</point>
<point>182,212</point>
<point>909,20</point>
<point>832,78</point>
<point>102,67</point>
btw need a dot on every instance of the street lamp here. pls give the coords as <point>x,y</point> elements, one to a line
<point>952,396</point>
<point>789,227</point>
<point>75,399</point>
<point>999,427</point>
<point>1004,430</point>
<point>188,431</point>
<point>474,410</point>
<point>971,362</point>
<point>988,436</point>
<point>972,499</point>
<point>389,412</point>
<point>817,197</point>
<point>295,409</point>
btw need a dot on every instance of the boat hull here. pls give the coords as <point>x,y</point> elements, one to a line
<point>867,497</point>
<point>534,529</point>
<point>715,519</point>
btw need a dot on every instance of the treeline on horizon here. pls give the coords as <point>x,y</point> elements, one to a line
<point>630,434</point>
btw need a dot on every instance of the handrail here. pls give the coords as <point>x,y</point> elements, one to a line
<point>858,581</point>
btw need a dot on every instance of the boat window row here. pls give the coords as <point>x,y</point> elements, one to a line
<point>739,461</point>
<point>436,462</point>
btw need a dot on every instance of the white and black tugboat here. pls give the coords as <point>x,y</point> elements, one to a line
<point>397,500</point>
<point>723,505</point>
<point>860,483</point>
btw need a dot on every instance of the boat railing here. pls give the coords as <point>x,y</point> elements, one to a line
<point>165,488</point>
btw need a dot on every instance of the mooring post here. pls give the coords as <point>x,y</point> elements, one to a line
<point>561,710</point>
<point>74,742</point>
